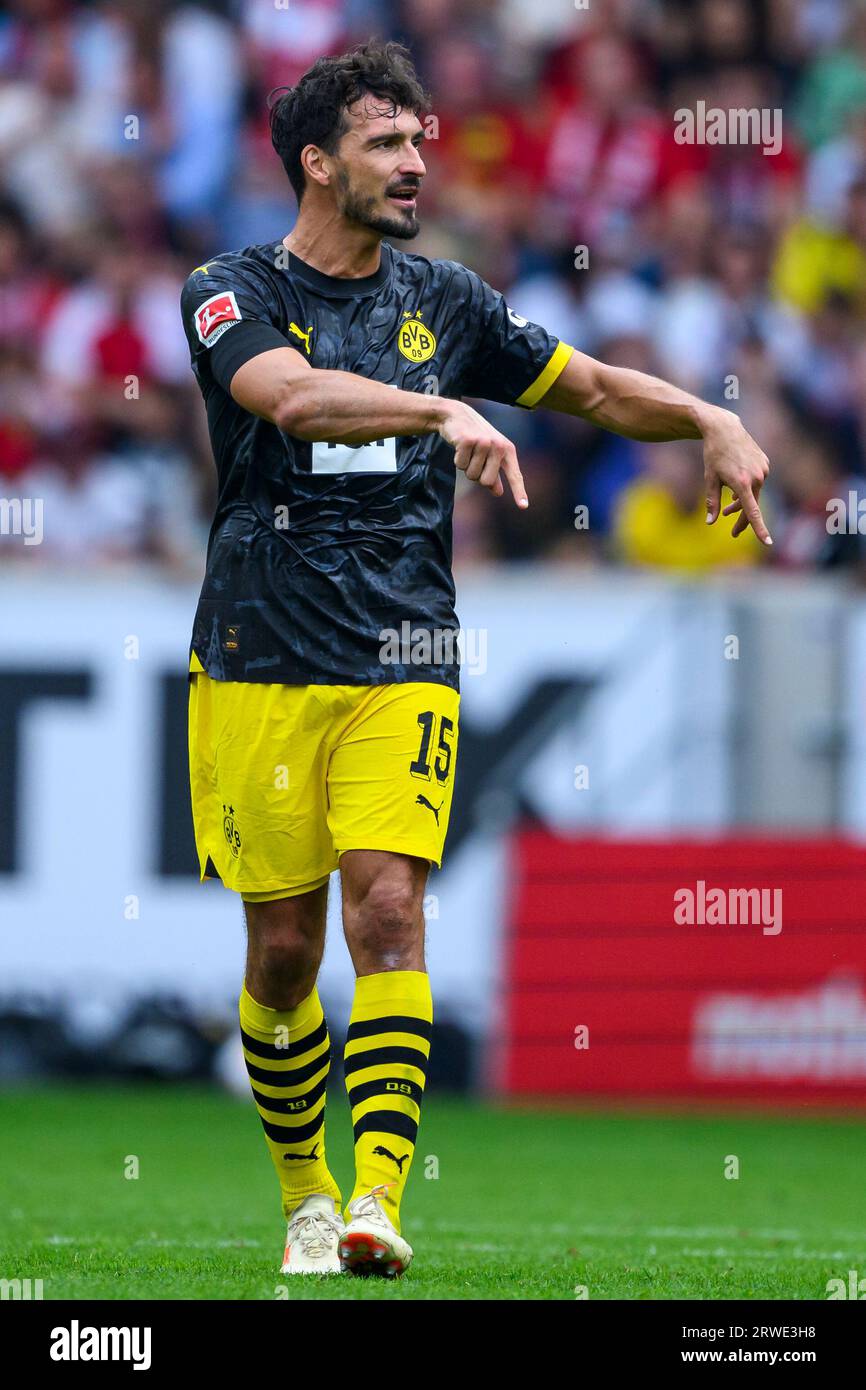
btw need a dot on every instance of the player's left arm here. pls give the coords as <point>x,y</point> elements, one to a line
<point>643,407</point>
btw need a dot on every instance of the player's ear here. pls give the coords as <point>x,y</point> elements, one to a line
<point>315,165</point>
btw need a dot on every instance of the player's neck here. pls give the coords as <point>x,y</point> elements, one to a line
<point>334,247</point>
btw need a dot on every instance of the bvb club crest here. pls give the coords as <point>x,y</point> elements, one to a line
<point>230,830</point>
<point>415,340</point>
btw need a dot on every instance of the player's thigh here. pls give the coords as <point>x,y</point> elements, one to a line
<point>391,774</point>
<point>258,759</point>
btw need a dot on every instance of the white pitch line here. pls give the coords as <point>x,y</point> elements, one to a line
<point>706,1233</point>
<point>722,1254</point>
<point>154,1242</point>
<point>602,1234</point>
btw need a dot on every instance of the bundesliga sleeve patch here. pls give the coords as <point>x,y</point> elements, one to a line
<point>216,316</point>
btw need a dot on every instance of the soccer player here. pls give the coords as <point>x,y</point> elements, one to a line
<point>332,367</point>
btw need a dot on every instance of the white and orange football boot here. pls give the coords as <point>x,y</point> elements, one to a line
<point>313,1237</point>
<point>370,1243</point>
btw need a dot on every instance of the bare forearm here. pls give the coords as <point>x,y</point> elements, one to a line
<point>643,407</point>
<point>632,403</point>
<point>347,409</point>
<point>647,408</point>
<point>339,407</point>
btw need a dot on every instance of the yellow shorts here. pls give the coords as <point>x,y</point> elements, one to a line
<point>286,778</point>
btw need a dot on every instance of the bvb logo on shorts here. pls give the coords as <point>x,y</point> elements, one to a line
<point>415,340</point>
<point>230,830</point>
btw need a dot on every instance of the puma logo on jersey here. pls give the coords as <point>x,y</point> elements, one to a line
<point>386,1153</point>
<point>298,1157</point>
<point>304,337</point>
<point>422,801</point>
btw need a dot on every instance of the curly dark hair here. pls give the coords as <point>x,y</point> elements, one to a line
<point>314,111</point>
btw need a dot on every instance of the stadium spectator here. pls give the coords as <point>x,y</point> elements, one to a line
<point>661,520</point>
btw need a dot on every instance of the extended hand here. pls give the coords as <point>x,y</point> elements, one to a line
<point>732,458</point>
<point>481,452</point>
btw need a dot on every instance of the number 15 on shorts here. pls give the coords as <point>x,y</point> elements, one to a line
<point>436,746</point>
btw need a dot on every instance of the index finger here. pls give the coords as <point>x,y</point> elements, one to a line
<point>511,469</point>
<point>752,513</point>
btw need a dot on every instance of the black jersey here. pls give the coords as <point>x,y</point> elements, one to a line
<point>330,563</point>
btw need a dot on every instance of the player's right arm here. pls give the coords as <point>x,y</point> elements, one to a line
<point>314,404</point>
<point>233,339</point>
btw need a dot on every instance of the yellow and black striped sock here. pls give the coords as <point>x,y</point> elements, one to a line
<point>387,1047</point>
<point>287,1053</point>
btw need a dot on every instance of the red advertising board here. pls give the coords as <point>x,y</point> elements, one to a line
<point>730,969</point>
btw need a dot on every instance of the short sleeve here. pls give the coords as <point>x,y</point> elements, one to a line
<point>513,361</point>
<point>228,318</point>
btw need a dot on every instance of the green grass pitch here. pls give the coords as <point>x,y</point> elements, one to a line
<point>528,1204</point>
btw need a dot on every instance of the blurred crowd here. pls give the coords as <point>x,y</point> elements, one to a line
<point>134,145</point>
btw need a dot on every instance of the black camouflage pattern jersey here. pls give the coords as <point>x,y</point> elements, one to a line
<point>320,555</point>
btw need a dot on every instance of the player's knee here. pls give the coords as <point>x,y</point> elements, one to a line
<point>386,919</point>
<point>282,963</point>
